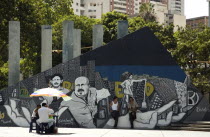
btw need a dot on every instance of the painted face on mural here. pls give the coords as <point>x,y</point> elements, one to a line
<point>56,81</point>
<point>81,87</point>
<point>131,77</point>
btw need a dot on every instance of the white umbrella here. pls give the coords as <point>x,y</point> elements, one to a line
<point>50,92</point>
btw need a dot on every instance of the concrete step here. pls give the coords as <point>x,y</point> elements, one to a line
<point>186,128</point>
<point>191,125</point>
<point>197,122</point>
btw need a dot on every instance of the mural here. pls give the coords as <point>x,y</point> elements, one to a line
<point>125,68</point>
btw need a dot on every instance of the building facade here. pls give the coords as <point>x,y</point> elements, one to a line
<point>176,7</point>
<point>195,22</point>
<point>169,12</point>
<point>90,8</point>
<point>161,11</point>
<point>95,9</point>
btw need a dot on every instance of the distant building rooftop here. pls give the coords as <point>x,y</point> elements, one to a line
<point>197,21</point>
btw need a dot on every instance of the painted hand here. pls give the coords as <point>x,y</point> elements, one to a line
<point>17,118</point>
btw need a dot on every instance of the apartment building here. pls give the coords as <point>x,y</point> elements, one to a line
<point>90,8</point>
<point>169,12</point>
<point>176,7</point>
<point>195,22</point>
<point>129,7</point>
<point>95,8</point>
<point>162,1</point>
<point>161,11</point>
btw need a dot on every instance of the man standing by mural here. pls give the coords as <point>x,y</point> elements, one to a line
<point>132,106</point>
<point>115,106</point>
<point>83,104</point>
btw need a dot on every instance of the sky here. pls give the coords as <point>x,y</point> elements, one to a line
<point>196,8</point>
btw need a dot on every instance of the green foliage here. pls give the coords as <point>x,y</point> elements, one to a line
<point>109,20</point>
<point>80,22</point>
<point>146,11</point>
<point>192,45</point>
<point>31,14</point>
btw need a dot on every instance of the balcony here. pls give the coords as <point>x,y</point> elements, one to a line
<point>121,11</point>
<point>120,1</point>
<point>120,6</point>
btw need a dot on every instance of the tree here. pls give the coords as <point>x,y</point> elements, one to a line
<point>31,14</point>
<point>80,22</point>
<point>146,11</point>
<point>193,46</point>
<point>109,20</point>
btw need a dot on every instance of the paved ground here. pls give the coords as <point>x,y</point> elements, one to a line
<point>80,132</point>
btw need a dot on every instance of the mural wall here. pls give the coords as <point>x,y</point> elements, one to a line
<point>135,66</point>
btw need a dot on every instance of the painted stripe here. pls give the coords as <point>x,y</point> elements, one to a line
<point>114,73</point>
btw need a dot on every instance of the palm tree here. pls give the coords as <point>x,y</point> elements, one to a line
<point>146,11</point>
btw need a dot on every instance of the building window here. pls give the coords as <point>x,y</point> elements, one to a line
<point>171,17</point>
<point>76,10</point>
<point>77,4</point>
<point>92,16</point>
<point>91,10</point>
<point>93,4</point>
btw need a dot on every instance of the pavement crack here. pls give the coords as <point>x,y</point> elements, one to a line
<point>162,133</point>
<point>106,133</point>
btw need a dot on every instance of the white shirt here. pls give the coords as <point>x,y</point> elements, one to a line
<point>34,114</point>
<point>44,113</point>
<point>114,106</point>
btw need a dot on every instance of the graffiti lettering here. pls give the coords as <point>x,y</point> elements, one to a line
<point>149,89</point>
<point>14,93</point>
<point>68,85</point>
<point>66,121</point>
<point>119,93</point>
<point>24,92</point>
<point>202,109</point>
<point>193,98</point>
<point>6,122</point>
<point>1,115</point>
<point>1,100</point>
<point>118,90</point>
